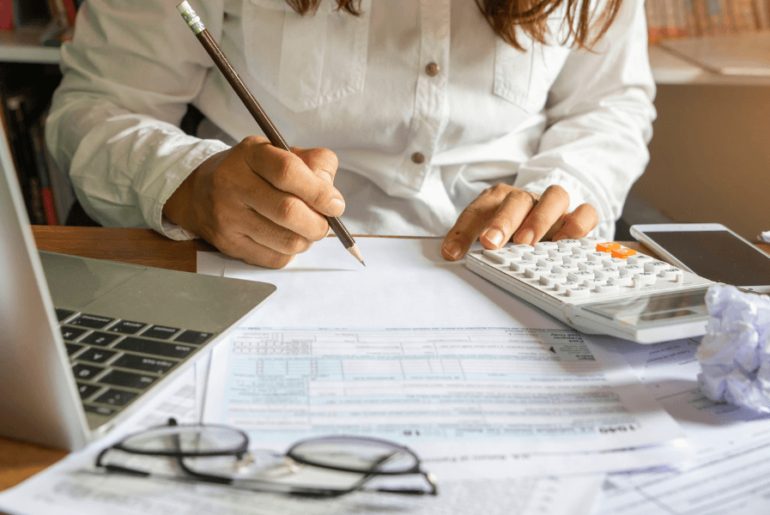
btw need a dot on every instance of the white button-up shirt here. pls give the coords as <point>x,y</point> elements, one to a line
<point>362,87</point>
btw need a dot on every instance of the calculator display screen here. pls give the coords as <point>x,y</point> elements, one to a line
<point>653,309</point>
<point>716,255</point>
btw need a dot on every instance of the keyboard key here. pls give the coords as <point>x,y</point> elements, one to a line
<point>590,242</point>
<point>564,269</point>
<point>607,246</point>
<point>606,288</point>
<point>645,278</point>
<point>194,337</point>
<point>72,348</point>
<point>548,263</point>
<point>63,314</point>
<point>533,256</point>
<point>563,287</point>
<point>590,266</point>
<point>606,273</point>
<point>535,273</point>
<point>97,355</point>
<point>656,266</point>
<point>72,333</point>
<point>160,332</point>
<point>92,321</point>
<point>640,259</point>
<point>519,250</point>
<point>100,410</point>
<point>87,390</point>
<point>82,371</point>
<point>669,273</point>
<point>552,280</point>
<point>596,256</point>
<point>522,266</point>
<point>623,253</point>
<point>545,246</point>
<point>127,327</point>
<point>168,350</point>
<point>581,276</point>
<point>614,262</point>
<point>159,366</point>
<point>559,254</point>
<point>115,397</point>
<point>621,281</point>
<point>630,270</point>
<point>580,291</point>
<point>100,339</point>
<point>127,379</point>
<point>573,260</point>
<point>495,256</point>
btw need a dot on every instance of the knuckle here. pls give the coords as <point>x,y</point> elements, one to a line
<point>276,260</point>
<point>284,168</point>
<point>288,208</point>
<point>295,244</point>
<point>251,141</point>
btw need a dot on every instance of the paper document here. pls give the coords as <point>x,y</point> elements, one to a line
<point>455,395</point>
<point>730,472</point>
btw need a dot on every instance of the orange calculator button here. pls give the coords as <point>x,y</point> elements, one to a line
<point>623,253</point>
<point>607,247</point>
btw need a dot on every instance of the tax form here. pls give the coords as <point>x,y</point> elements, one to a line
<point>730,471</point>
<point>424,352</point>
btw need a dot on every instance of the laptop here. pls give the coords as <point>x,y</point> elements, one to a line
<point>83,342</point>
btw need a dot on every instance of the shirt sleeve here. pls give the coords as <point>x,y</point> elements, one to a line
<point>129,74</point>
<point>600,116</point>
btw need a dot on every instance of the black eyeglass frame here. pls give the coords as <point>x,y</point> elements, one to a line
<point>239,451</point>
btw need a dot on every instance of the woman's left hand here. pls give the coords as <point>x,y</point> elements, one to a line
<point>503,211</point>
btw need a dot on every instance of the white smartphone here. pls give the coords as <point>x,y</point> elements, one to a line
<point>711,251</point>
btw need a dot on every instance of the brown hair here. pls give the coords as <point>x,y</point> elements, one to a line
<point>530,16</point>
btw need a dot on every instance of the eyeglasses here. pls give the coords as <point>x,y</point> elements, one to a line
<point>319,467</point>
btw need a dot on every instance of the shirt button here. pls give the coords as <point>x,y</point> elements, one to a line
<point>418,158</point>
<point>432,69</point>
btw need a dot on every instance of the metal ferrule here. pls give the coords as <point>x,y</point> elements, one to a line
<point>193,21</point>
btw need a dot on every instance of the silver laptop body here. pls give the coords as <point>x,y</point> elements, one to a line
<point>126,330</point>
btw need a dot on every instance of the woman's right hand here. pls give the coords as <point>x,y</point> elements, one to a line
<point>259,203</point>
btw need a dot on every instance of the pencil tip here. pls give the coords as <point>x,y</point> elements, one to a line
<point>356,254</point>
<point>363,263</point>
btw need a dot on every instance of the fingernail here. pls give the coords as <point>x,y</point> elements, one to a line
<point>494,236</point>
<point>452,249</point>
<point>336,207</point>
<point>526,238</point>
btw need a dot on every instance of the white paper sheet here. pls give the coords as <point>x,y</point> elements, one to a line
<point>730,473</point>
<point>471,402</point>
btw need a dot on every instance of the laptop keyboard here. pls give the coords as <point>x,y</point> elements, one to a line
<point>114,361</point>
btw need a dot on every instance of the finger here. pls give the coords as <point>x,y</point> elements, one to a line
<point>322,161</point>
<point>552,205</point>
<point>253,253</point>
<point>285,210</point>
<point>288,172</point>
<point>507,219</point>
<point>471,222</point>
<point>578,223</point>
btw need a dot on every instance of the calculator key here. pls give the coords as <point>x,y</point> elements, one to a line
<point>606,273</point>
<point>160,332</point>
<point>97,355</point>
<point>72,333</point>
<point>496,257</point>
<point>580,276</point>
<point>520,249</point>
<point>521,266</point>
<point>645,278</point>
<point>580,291</point>
<point>99,410</point>
<point>115,397</point>
<point>87,390</point>
<point>568,244</point>
<point>656,266</point>
<point>545,246</point>
<point>573,260</point>
<point>590,266</point>
<point>630,270</point>
<point>72,348</point>
<point>606,288</point>
<point>590,242</point>
<point>559,254</point>
<point>82,371</point>
<point>669,273</point>
<point>63,314</point>
<point>535,273</point>
<point>607,246</point>
<point>640,259</point>
<point>596,256</point>
<point>623,253</point>
<point>534,256</point>
<point>91,321</point>
<point>614,262</point>
<point>592,283</point>
<point>552,280</point>
<point>194,337</point>
<point>548,263</point>
<point>156,365</point>
<point>563,287</point>
<point>100,339</point>
<point>564,269</point>
<point>621,281</point>
<point>127,327</point>
<point>168,350</point>
<point>127,379</point>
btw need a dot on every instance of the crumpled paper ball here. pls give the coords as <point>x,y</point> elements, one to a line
<point>735,352</point>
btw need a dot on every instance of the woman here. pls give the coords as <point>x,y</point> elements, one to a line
<point>484,120</point>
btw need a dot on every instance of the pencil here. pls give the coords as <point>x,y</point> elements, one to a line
<point>219,58</point>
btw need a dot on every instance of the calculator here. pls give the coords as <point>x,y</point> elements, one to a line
<point>600,287</point>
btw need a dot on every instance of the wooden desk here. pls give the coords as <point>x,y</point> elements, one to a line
<point>19,461</point>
